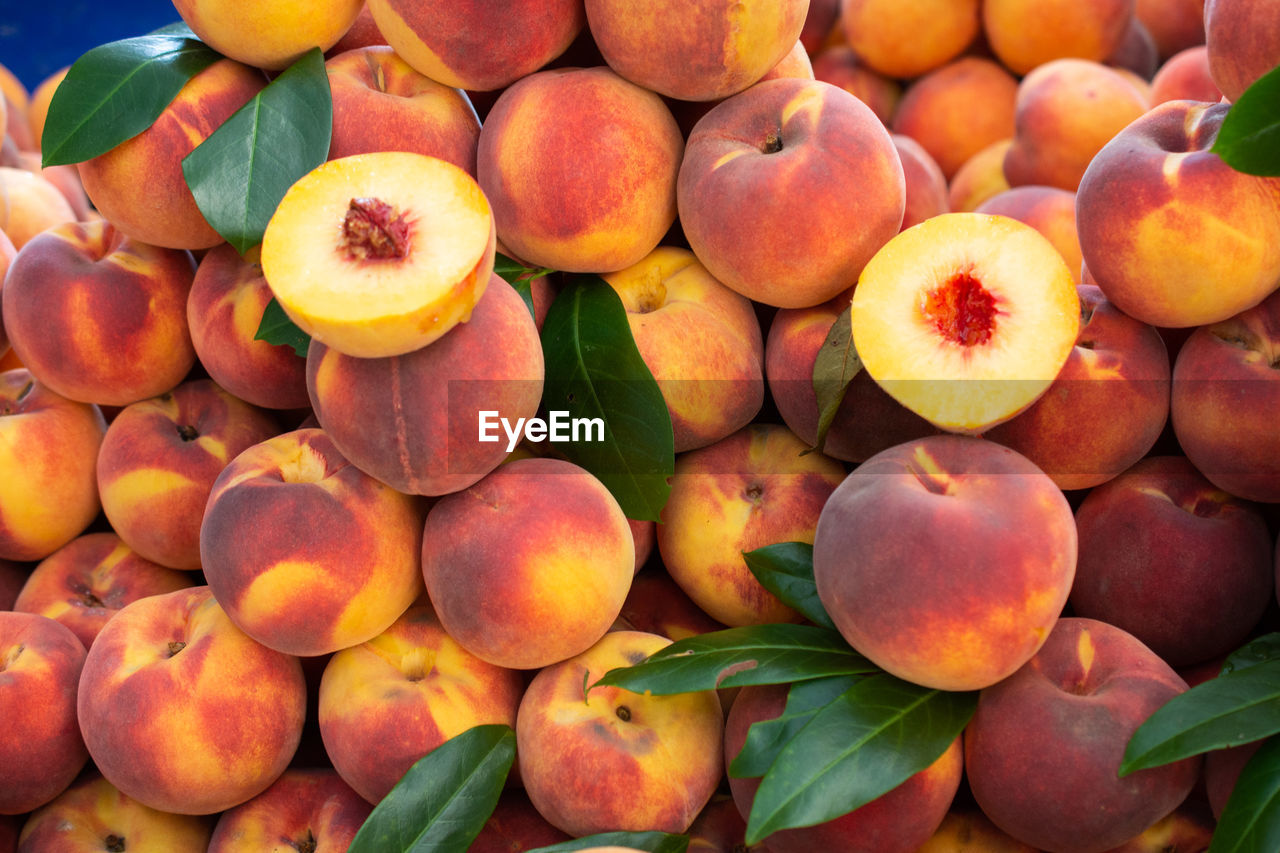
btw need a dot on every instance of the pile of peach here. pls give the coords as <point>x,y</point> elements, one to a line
<point>243,590</point>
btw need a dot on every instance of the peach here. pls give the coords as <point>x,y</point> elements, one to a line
<point>699,339</point>
<point>1049,210</point>
<point>1188,827</point>
<point>139,185</point>
<point>86,581</point>
<point>99,316</point>
<point>93,815</point>
<point>557,152</point>
<point>820,22</point>
<point>210,717</point>
<point>771,150</point>
<point>515,825</point>
<point>657,605</point>
<point>1222,770</point>
<point>1107,406</point>
<point>537,542</point>
<point>716,50</point>
<point>1172,234</point>
<point>1242,41</point>
<point>980,177</point>
<point>1137,52</point>
<point>840,66</point>
<point>425,438</point>
<point>38,106</point>
<point>373,87</point>
<point>957,110</point>
<point>909,39</point>
<point>896,822</point>
<point>927,193</point>
<point>965,319</point>
<point>387,702</point>
<point>1185,77</point>
<point>336,566</point>
<point>1066,111</point>
<point>597,759</point>
<point>13,576</point>
<point>363,32</point>
<point>719,827</point>
<point>1225,400</point>
<point>305,809</point>
<point>1043,749</point>
<point>29,204</point>
<point>40,745</point>
<point>224,311</point>
<point>946,561</point>
<point>66,179</point>
<point>751,489</point>
<point>1026,34</point>
<point>158,462</point>
<point>1175,25</point>
<point>478,44</point>
<point>271,36</point>
<point>970,831</point>
<point>48,449</point>
<point>407,242</point>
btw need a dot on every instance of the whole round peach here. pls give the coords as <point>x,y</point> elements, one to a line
<point>1174,24</point>
<point>980,177</point>
<point>840,66</point>
<point>139,185</point>
<point>411,420</point>
<point>1025,34</point>
<point>158,462</point>
<point>1242,41</point>
<point>896,822</point>
<point>1172,234</point>
<point>515,825</point>
<point>48,449</point>
<point>38,106</point>
<point>907,40</point>
<point>754,488</point>
<point>559,152</point>
<point>184,712</point>
<point>711,50</point>
<point>1226,398</point>
<point>927,194</point>
<point>99,316</point>
<point>224,310</point>
<point>306,552</point>
<point>1185,77</point>
<point>94,815</point>
<point>269,34</point>
<point>657,605</point>
<point>801,152</point>
<point>85,582</point>
<point>1182,566</point>
<point>29,204</point>
<point>40,744</point>
<point>1043,749</point>
<point>699,339</point>
<point>387,702</point>
<point>530,565</point>
<point>596,759</point>
<point>946,561</point>
<point>308,809</point>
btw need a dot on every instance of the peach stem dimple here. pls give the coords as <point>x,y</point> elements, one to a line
<point>374,230</point>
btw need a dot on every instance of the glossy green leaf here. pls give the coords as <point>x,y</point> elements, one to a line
<point>520,277</point>
<point>871,739</point>
<point>1263,649</point>
<point>1249,139</point>
<point>442,803</point>
<point>1250,822</point>
<point>654,842</point>
<point>276,328</point>
<point>786,570</point>
<point>594,371</point>
<point>766,738</point>
<point>1229,710</point>
<point>736,657</point>
<point>241,171</point>
<point>833,369</point>
<point>117,90</point>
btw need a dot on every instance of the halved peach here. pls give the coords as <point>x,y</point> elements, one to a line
<point>966,318</point>
<point>380,254</point>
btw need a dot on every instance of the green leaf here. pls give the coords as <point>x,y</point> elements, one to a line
<point>1251,819</point>
<point>766,738</point>
<point>786,570</point>
<point>1263,649</point>
<point>594,371</point>
<point>520,277</point>
<point>1249,139</point>
<point>1229,710</point>
<point>117,90</point>
<point>876,735</point>
<point>241,171</point>
<point>833,369</point>
<point>735,657</point>
<point>655,842</point>
<point>276,328</point>
<point>444,800</point>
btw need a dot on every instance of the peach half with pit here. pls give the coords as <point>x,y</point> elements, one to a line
<point>380,254</point>
<point>965,319</point>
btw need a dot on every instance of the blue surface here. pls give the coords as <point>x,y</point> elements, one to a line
<point>37,39</point>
